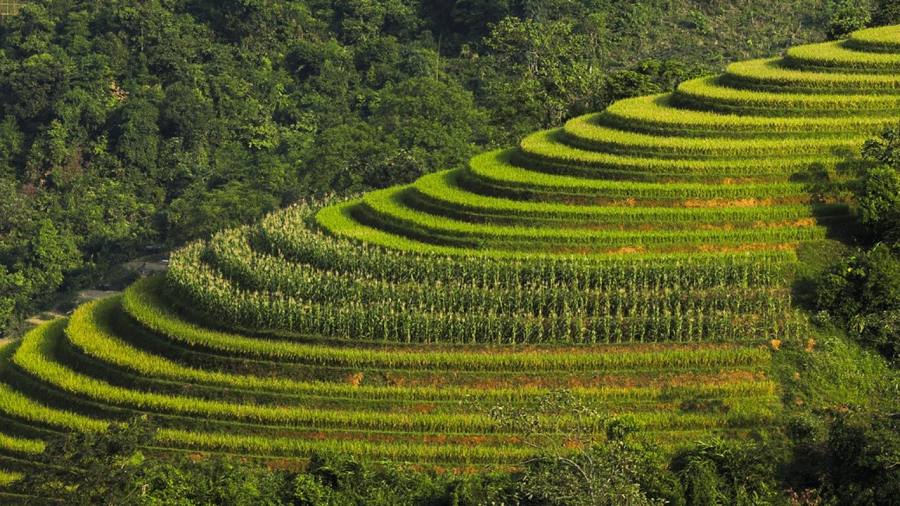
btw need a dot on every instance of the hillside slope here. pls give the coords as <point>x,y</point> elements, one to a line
<point>638,257</point>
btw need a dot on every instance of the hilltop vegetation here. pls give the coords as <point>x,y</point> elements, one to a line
<point>128,123</point>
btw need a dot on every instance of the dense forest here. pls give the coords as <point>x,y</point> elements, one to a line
<point>138,125</point>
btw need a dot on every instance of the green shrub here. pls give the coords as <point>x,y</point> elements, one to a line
<point>720,472</point>
<point>845,16</point>
<point>863,292</point>
<point>863,451</point>
<point>878,198</point>
<point>886,12</point>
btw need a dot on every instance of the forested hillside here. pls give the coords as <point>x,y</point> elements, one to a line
<point>128,123</point>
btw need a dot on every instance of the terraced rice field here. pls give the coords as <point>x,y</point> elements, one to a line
<point>638,257</point>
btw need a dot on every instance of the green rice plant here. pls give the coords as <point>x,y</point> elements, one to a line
<point>21,445</point>
<point>385,210</point>
<point>838,55</point>
<point>497,172</point>
<point>658,115</point>
<point>770,75</point>
<point>339,221</point>
<point>881,39</point>
<point>709,93</point>
<point>397,452</point>
<point>34,357</point>
<point>590,133</point>
<point>554,152</point>
<point>440,193</point>
<point>20,406</point>
<point>288,234</point>
<point>8,478</point>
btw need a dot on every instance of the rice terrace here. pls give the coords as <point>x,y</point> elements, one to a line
<point>643,259</point>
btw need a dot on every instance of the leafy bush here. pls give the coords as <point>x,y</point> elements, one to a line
<point>718,472</point>
<point>886,12</point>
<point>878,189</point>
<point>863,292</point>
<point>863,455</point>
<point>845,16</point>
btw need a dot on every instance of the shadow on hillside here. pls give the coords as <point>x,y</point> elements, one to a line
<point>830,196</point>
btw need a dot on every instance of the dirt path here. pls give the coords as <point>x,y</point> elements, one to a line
<point>140,267</point>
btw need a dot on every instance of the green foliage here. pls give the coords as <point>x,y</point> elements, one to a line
<point>878,188</point>
<point>112,468</point>
<point>879,202</point>
<point>549,64</point>
<point>836,372</point>
<point>885,12</point>
<point>845,16</point>
<point>863,450</point>
<point>610,474</point>
<point>585,468</point>
<point>207,211</point>
<point>719,472</point>
<point>863,292</point>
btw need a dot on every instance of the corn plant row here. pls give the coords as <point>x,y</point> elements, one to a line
<point>396,319</point>
<point>497,170</point>
<point>441,193</point>
<point>384,209</point>
<point>587,132</point>
<point>144,301</point>
<point>557,151</point>
<point>231,254</point>
<point>710,94</point>
<point>884,39</point>
<point>288,233</point>
<point>838,55</point>
<point>119,357</point>
<point>771,75</point>
<point>659,115</point>
<point>214,295</point>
